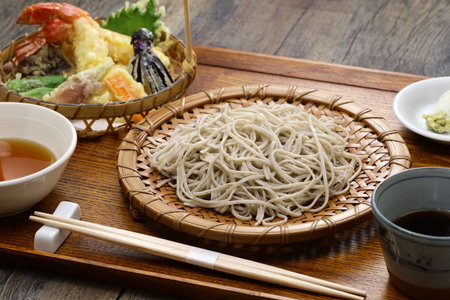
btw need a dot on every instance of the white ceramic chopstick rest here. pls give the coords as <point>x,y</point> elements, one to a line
<point>49,239</point>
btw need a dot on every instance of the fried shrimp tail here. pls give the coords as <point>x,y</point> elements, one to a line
<point>57,20</point>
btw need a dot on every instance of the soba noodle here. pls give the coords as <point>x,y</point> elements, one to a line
<point>266,163</point>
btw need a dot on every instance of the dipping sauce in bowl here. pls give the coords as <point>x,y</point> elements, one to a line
<point>426,221</point>
<point>412,210</point>
<point>36,144</point>
<point>22,157</point>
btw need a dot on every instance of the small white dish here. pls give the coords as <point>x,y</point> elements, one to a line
<point>417,99</point>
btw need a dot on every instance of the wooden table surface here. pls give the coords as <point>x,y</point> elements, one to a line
<point>400,36</point>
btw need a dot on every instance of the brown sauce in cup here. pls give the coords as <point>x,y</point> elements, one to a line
<point>426,221</point>
<point>22,157</point>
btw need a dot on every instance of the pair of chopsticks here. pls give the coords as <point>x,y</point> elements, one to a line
<point>200,257</point>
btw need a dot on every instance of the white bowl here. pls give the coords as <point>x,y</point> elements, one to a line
<point>417,99</point>
<point>47,127</point>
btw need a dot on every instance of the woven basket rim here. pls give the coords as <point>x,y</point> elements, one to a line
<point>53,104</point>
<point>145,203</point>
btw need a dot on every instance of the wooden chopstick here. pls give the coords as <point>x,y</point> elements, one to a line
<point>180,252</point>
<point>187,28</point>
<point>223,257</point>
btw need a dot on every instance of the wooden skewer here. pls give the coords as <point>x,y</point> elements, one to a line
<point>186,253</point>
<point>187,30</point>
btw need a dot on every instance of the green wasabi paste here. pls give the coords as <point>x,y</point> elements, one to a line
<point>438,122</point>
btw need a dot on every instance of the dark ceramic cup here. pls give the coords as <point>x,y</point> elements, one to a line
<point>418,264</point>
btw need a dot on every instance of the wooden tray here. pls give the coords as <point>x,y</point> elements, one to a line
<point>350,257</point>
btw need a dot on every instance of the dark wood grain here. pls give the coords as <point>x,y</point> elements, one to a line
<point>401,36</point>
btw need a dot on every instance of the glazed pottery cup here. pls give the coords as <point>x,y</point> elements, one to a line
<point>418,264</point>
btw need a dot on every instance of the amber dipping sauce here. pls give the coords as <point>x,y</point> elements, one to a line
<point>21,157</point>
<point>426,221</point>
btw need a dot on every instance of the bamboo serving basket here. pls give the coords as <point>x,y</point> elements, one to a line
<point>385,149</point>
<point>98,119</point>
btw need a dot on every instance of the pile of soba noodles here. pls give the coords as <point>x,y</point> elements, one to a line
<point>266,163</point>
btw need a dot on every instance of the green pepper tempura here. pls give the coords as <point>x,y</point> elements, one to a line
<point>36,87</point>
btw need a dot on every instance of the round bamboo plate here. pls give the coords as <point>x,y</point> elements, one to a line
<point>97,119</point>
<point>369,134</point>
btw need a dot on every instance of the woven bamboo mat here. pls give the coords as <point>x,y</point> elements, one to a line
<point>385,149</point>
